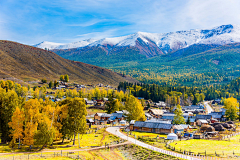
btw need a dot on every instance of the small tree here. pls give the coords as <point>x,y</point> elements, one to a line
<point>56,83</point>
<point>188,121</point>
<point>66,78</point>
<point>178,118</point>
<point>50,84</point>
<point>44,80</point>
<point>62,78</point>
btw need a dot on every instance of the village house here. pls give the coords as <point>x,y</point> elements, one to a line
<point>201,122</point>
<point>161,105</point>
<point>103,118</point>
<point>195,109</point>
<point>218,116</point>
<point>156,113</point>
<point>192,121</point>
<point>177,129</point>
<point>153,127</point>
<point>89,103</point>
<point>131,124</point>
<point>186,127</point>
<point>100,103</point>
<point>148,116</point>
<point>98,116</point>
<point>206,117</point>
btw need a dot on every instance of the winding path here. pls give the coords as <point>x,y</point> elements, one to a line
<point>115,131</point>
<point>209,108</point>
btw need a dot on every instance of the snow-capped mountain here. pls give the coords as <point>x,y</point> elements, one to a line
<point>151,44</point>
<point>52,45</point>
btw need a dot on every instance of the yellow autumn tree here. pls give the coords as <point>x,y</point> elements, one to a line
<point>29,133</point>
<point>46,129</point>
<point>135,109</point>
<point>32,117</point>
<point>17,125</point>
<point>231,106</point>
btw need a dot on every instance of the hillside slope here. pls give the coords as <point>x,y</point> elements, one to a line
<point>29,63</point>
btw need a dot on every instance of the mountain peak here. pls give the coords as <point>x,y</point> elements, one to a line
<point>166,42</point>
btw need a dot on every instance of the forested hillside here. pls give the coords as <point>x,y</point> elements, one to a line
<point>183,94</point>
<point>196,65</point>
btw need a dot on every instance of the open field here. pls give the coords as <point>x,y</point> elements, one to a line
<point>86,141</point>
<point>86,155</point>
<point>223,148</point>
<point>125,152</point>
<point>145,134</point>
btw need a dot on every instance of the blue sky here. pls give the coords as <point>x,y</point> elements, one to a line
<point>64,21</point>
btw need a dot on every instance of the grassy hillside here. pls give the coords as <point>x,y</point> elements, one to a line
<point>30,63</point>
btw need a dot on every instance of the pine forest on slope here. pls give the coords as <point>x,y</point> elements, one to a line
<point>199,64</point>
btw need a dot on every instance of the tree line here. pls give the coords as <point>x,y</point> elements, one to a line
<point>175,94</point>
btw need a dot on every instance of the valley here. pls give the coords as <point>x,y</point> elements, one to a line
<point>195,57</point>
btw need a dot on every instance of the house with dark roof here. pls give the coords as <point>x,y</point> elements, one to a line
<point>206,117</point>
<point>153,127</point>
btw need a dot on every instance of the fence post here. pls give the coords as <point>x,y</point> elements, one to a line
<point>61,153</point>
<point>28,156</point>
<point>41,154</point>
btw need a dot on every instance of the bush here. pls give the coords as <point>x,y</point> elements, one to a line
<point>12,144</point>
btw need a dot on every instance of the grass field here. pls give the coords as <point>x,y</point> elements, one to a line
<point>132,152</point>
<point>86,141</point>
<point>86,155</point>
<point>222,148</point>
<point>146,134</point>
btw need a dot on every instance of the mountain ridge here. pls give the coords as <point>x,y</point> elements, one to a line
<point>153,44</point>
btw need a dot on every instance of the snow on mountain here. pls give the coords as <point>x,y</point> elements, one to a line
<point>48,45</point>
<point>52,45</point>
<point>166,42</point>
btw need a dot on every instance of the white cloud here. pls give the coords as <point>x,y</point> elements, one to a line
<point>98,35</point>
<point>206,14</point>
<point>88,23</point>
<point>119,17</point>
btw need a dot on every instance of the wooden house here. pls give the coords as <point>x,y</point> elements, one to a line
<point>131,124</point>
<point>153,127</point>
<point>201,122</point>
<point>97,116</point>
<point>156,113</point>
<point>177,129</point>
<point>186,127</point>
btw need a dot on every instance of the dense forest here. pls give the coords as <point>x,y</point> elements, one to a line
<point>185,94</point>
<point>196,65</point>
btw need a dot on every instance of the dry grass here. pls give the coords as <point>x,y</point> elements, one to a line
<point>30,63</point>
